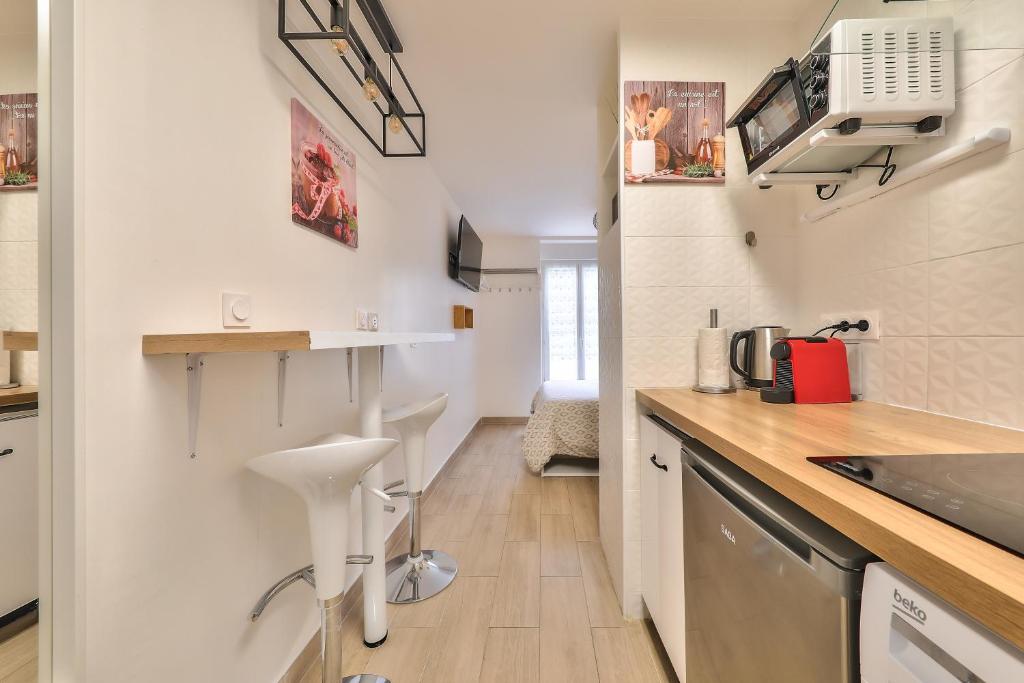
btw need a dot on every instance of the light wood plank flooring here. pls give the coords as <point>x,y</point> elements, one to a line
<point>533,601</point>
<point>18,657</point>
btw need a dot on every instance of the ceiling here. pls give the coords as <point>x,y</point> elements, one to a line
<point>512,93</point>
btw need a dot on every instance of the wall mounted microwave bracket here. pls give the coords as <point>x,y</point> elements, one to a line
<point>375,16</point>
<point>887,136</point>
<point>982,142</point>
<point>766,180</point>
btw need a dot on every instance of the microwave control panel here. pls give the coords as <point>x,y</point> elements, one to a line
<point>814,77</point>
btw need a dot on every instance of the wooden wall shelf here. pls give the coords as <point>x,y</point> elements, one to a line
<point>19,341</point>
<point>462,317</point>
<point>224,342</point>
<point>196,346</point>
<point>292,340</point>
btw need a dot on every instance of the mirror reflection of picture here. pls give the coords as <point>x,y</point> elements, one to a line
<point>674,132</point>
<point>18,146</point>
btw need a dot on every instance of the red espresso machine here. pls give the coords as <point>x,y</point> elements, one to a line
<point>809,370</point>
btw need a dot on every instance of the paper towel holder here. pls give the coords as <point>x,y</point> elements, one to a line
<point>704,389</point>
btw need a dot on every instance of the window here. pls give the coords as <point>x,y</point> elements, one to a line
<point>570,320</point>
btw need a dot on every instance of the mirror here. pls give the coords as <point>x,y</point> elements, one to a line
<point>19,364</point>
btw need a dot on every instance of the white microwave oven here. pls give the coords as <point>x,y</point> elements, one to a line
<point>863,73</point>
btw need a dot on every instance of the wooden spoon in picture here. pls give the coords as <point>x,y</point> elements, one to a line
<point>641,108</point>
<point>658,120</point>
<point>663,118</point>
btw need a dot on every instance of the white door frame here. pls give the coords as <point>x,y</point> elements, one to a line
<point>61,443</point>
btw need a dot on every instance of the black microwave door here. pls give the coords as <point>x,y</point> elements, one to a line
<point>782,83</point>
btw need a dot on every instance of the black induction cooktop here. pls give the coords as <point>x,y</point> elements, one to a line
<point>980,493</point>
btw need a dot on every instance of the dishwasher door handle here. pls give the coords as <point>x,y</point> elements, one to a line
<point>654,461</point>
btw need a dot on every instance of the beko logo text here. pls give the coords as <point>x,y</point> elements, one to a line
<point>728,534</point>
<point>907,606</point>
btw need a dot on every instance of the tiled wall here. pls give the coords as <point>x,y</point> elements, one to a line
<point>942,259</point>
<point>19,295</point>
<point>683,247</point>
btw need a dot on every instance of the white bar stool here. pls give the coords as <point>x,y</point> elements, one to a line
<point>418,574</point>
<point>324,473</point>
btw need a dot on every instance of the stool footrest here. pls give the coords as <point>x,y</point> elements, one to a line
<point>306,574</point>
<point>359,559</point>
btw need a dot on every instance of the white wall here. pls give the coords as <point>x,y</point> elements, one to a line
<point>683,249</point>
<point>184,133</point>
<point>18,47</point>
<point>19,295</point>
<point>508,328</point>
<point>941,259</point>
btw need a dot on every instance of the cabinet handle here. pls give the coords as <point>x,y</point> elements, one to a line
<point>6,451</point>
<point>654,461</point>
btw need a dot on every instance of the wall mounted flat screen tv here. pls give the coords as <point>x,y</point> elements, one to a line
<point>468,257</point>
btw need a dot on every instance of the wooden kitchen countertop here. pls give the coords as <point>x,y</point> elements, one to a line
<point>18,396</point>
<point>772,442</point>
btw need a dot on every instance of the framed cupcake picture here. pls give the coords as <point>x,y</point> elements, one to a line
<point>323,179</point>
<point>674,132</point>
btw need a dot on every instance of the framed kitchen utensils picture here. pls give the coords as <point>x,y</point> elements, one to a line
<point>323,179</point>
<point>674,132</point>
<point>18,147</point>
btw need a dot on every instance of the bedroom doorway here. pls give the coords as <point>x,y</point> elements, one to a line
<point>570,320</point>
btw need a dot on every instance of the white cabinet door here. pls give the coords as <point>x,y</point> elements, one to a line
<point>19,502</point>
<point>671,626</point>
<point>650,513</point>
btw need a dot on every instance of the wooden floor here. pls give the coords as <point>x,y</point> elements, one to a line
<point>533,599</point>
<point>18,657</point>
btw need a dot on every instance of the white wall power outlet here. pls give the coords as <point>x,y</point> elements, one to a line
<point>236,309</point>
<point>362,319</point>
<point>872,317</point>
<point>373,322</point>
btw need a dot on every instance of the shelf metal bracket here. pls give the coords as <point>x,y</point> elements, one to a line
<point>194,383</point>
<point>348,359</point>
<point>282,375</point>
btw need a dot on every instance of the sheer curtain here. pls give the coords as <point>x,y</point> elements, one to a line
<point>570,320</point>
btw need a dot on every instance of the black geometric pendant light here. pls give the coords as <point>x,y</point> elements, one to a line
<point>332,35</point>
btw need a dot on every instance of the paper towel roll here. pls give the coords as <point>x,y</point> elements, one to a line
<point>712,357</point>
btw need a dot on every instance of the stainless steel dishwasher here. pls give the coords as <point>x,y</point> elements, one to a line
<point>772,592</point>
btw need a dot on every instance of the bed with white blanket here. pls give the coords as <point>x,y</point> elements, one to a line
<point>563,423</point>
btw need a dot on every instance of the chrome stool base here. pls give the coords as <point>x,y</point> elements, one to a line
<point>365,678</point>
<point>412,581</point>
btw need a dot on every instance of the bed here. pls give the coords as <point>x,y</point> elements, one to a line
<point>563,422</point>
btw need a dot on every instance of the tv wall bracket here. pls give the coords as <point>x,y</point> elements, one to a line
<point>362,66</point>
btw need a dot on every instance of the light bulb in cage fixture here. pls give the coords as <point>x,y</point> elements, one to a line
<point>340,45</point>
<point>395,123</point>
<point>370,90</point>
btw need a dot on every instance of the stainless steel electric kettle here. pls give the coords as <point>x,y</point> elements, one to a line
<point>756,366</point>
